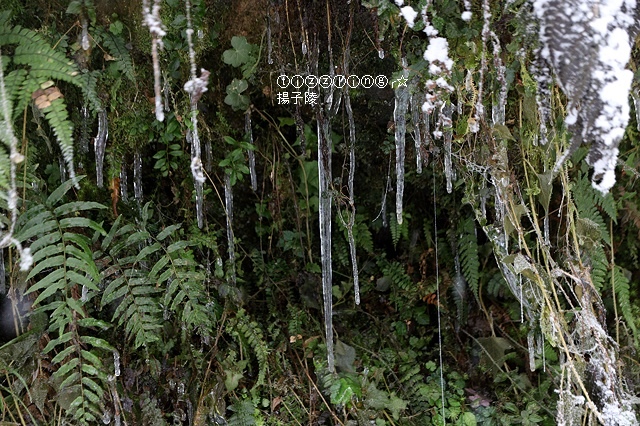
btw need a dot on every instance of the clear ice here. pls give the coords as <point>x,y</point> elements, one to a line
<point>250,152</point>
<point>100,144</point>
<point>228,202</point>
<point>137,177</point>
<point>399,116</point>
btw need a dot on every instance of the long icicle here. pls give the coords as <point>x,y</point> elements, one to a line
<point>435,239</point>
<point>196,86</point>
<point>416,112</point>
<point>352,170</point>
<point>250,153</point>
<point>228,202</point>
<point>137,178</point>
<point>399,116</point>
<point>99,144</point>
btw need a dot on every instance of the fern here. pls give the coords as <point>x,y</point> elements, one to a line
<point>244,414</point>
<point>402,284</point>
<point>118,50</point>
<point>587,201</point>
<point>399,231</point>
<point>64,266</point>
<point>620,281</point>
<point>249,332</point>
<point>138,310</point>
<point>41,64</point>
<point>468,250</point>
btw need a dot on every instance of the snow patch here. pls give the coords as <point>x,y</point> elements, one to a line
<point>409,14</point>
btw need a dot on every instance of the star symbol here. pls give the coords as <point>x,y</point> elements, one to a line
<point>402,81</point>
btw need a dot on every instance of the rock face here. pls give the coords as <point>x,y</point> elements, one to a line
<point>588,45</point>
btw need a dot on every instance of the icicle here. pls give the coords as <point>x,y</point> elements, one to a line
<point>250,152</point>
<point>83,140</point>
<point>416,111</point>
<point>324,177</point>
<point>99,144</point>
<point>228,202</point>
<point>208,156</point>
<point>402,103</point>
<point>380,53</point>
<point>116,363</point>
<point>447,111</point>
<point>137,177</point>
<point>3,278</point>
<point>352,169</point>
<point>195,87</point>
<point>124,194</point>
<point>269,45</point>
<point>636,103</point>
<point>300,131</point>
<point>85,34</point>
<point>63,169</point>
<point>498,106</point>
<point>532,355</point>
<point>151,18</point>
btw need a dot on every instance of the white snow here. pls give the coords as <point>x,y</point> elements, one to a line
<point>466,16</point>
<point>409,14</point>
<point>399,2</point>
<point>438,51</point>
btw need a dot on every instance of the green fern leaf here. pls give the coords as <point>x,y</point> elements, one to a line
<point>118,50</point>
<point>469,258</point>
<point>623,297</point>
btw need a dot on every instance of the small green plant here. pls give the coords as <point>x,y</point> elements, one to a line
<point>234,163</point>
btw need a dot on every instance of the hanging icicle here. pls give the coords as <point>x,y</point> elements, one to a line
<point>352,170</point>
<point>447,122</point>
<point>3,277</point>
<point>195,87</point>
<point>124,195</point>
<point>228,203</point>
<point>269,45</point>
<point>499,99</point>
<point>83,140</point>
<point>151,18</point>
<point>416,111</point>
<point>100,144</point>
<point>324,176</point>
<point>252,156</point>
<point>137,177</point>
<point>399,116</point>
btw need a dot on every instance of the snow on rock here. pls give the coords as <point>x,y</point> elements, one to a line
<point>588,45</point>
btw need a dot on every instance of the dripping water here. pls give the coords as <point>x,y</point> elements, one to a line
<point>99,144</point>
<point>228,202</point>
<point>402,103</point>
<point>124,195</point>
<point>416,110</point>
<point>252,157</point>
<point>137,177</point>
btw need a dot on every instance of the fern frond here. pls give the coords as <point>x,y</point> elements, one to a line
<point>63,263</point>
<point>468,250</point>
<point>249,332</point>
<point>244,414</point>
<point>620,282</point>
<point>58,119</point>
<point>118,50</point>
<point>138,310</point>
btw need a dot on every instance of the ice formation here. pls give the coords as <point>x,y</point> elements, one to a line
<point>588,45</point>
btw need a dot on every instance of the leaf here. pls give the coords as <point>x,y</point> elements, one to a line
<point>239,54</point>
